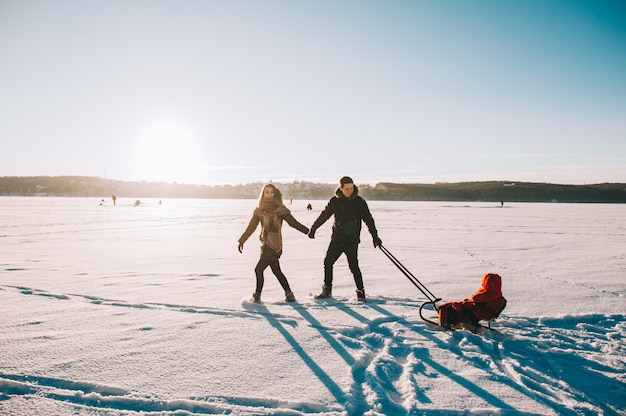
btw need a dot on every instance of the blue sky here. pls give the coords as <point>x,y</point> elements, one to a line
<point>219,92</point>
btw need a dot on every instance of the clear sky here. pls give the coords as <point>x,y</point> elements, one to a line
<point>228,92</point>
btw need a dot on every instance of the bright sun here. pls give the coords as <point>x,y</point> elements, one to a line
<point>167,151</point>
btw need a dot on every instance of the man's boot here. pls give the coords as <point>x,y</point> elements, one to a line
<point>327,292</point>
<point>360,295</point>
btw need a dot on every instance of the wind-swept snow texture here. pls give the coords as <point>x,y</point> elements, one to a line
<point>124,310</point>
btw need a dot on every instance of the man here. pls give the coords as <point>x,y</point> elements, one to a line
<point>349,210</point>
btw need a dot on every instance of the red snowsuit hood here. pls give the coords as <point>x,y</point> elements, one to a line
<point>491,289</point>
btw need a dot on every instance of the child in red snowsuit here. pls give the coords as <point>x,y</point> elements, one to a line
<point>485,304</point>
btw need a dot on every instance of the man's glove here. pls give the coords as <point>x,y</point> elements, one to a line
<point>312,233</point>
<point>240,247</point>
<point>377,242</point>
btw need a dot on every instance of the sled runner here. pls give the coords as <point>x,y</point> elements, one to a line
<point>482,307</point>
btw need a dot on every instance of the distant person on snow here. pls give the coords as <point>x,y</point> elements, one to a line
<point>349,210</point>
<point>270,212</point>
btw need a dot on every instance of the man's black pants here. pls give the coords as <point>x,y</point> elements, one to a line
<point>335,249</point>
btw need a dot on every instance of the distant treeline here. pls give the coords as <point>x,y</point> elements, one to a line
<point>82,186</point>
<point>502,191</point>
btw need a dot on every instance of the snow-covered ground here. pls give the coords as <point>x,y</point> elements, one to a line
<point>122,310</point>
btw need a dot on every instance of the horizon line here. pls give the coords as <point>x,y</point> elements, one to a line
<point>513,182</point>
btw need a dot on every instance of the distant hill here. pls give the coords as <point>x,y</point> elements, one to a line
<point>502,191</point>
<point>86,186</point>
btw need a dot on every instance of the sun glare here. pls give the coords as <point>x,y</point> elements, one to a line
<point>167,151</point>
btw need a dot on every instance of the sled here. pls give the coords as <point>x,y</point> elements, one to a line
<point>474,314</point>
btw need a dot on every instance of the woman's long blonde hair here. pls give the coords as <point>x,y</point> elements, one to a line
<point>278,197</point>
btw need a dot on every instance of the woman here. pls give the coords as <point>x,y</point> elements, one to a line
<point>270,212</point>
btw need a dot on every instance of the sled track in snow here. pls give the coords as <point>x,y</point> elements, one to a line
<point>505,267</point>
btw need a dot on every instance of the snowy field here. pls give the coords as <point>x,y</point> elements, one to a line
<point>123,310</point>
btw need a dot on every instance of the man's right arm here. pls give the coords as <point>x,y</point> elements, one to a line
<point>322,218</point>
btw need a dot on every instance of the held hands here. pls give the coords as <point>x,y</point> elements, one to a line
<point>240,247</point>
<point>377,242</point>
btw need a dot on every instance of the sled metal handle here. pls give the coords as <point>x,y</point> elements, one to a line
<point>434,307</point>
<point>432,298</point>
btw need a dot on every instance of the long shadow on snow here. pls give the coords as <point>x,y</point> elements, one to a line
<point>328,382</point>
<point>385,387</point>
<point>425,358</point>
<point>577,374</point>
<point>355,403</point>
